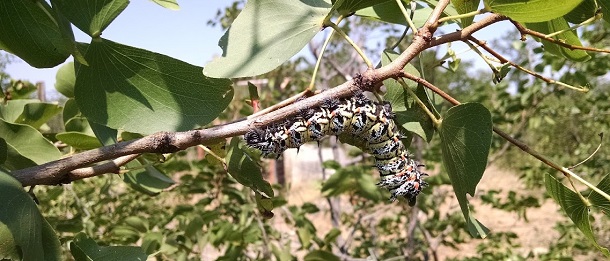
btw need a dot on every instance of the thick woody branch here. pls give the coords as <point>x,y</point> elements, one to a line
<point>58,172</point>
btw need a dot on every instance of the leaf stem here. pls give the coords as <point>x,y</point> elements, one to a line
<point>407,16</point>
<point>586,22</point>
<point>589,185</point>
<point>319,60</point>
<point>206,149</point>
<point>368,62</point>
<point>436,121</point>
<point>455,17</point>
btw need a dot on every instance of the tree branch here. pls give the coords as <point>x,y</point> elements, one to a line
<point>56,172</point>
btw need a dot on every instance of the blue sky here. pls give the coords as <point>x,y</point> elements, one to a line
<point>184,35</point>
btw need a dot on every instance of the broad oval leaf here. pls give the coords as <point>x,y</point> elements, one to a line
<point>321,255</point>
<point>568,37</point>
<point>465,140</point>
<point>390,13</point>
<point>169,4</point>
<point>241,167</point>
<point>605,6</point>
<point>24,233</point>
<point>408,113</point>
<point>38,113</point>
<point>466,6</point>
<point>32,31</point>
<point>28,142</point>
<point>266,34</point>
<point>141,91</point>
<point>148,180</point>
<point>574,207</point>
<point>64,80</point>
<point>582,12</point>
<point>91,16</point>
<point>79,140</point>
<point>84,248</point>
<point>600,201</point>
<point>532,11</point>
<point>346,7</point>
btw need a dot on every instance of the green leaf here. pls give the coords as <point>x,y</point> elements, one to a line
<point>266,34</point>
<point>466,6</point>
<point>574,207</point>
<point>65,79</point>
<point>3,151</point>
<point>32,31</point>
<point>84,248</point>
<point>241,167</point>
<point>148,180</point>
<point>105,135</point>
<point>600,201</point>
<point>465,140</point>
<point>79,140</point>
<point>568,37</point>
<point>321,255</point>
<point>70,110</point>
<point>408,113</point>
<point>38,113</point>
<point>346,7</point>
<point>24,233</point>
<point>582,12</point>
<point>532,11</point>
<point>169,4</point>
<point>605,6</point>
<point>28,143</point>
<point>390,13</point>
<point>140,91</point>
<point>91,16</point>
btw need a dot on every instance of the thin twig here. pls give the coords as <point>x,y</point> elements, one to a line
<point>485,47</point>
<point>407,16</point>
<point>523,30</point>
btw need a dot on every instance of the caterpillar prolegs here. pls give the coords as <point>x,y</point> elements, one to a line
<point>366,120</point>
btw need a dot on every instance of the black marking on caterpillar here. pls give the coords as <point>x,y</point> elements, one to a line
<point>369,121</point>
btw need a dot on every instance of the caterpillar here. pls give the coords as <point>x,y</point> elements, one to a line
<point>371,122</point>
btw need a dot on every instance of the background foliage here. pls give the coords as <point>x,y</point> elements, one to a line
<point>187,206</point>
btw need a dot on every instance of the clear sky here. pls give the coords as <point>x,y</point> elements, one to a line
<point>182,34</point>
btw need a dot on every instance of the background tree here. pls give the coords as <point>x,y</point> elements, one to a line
<point>136,113</point>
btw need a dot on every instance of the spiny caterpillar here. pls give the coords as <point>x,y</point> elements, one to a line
<point>369,121</point>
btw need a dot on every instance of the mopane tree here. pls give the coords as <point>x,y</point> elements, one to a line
<point>133,112</point>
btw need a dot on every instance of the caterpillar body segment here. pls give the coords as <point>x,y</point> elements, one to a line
<point>358,116</point>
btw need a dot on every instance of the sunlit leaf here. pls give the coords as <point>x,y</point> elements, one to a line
<point>266,34</point>
<point>140,91</point>
<point>169,4</point>
<point>346,7</point>
<point>64,80</point>
<point>390,13</point>
<point>28,143</point>
<point>599,201</point>
<point>465,140</point>
<point>568,37</point>
<point>466,6</point>
<point>532,11</point>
